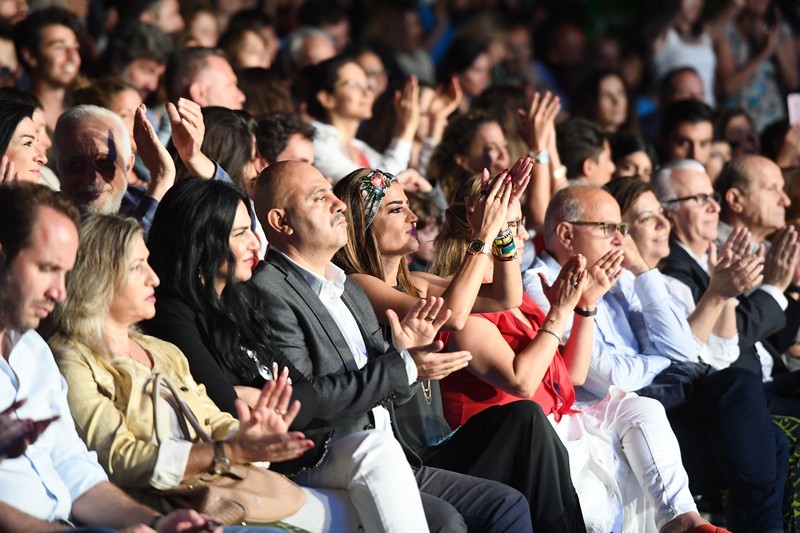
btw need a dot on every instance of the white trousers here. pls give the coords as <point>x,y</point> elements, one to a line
<point>371,466</point>
<point>626,441</point>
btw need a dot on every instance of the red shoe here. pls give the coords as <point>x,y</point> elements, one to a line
<point>708,528</point>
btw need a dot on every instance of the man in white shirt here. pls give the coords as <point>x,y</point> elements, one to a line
<point>56,481</point>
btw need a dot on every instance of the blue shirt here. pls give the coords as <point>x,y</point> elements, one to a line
<point>638,330</point>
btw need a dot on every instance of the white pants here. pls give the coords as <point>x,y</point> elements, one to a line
<point>372,468</point>
<point>625,446</point>
<point>326,510</point>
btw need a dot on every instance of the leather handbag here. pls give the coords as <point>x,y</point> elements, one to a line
<point>248,494</point>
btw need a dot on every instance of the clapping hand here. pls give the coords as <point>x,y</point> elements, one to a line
<point>568,286</point>
<point>781,259</point>
<point>604,274</point>
<point>154,155</point>
<point>416,334</point>
<point>487,215</point>
<point>264,431</point>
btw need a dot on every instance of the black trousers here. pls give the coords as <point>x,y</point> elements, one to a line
<point>516,445</point>
<point>728,439</point>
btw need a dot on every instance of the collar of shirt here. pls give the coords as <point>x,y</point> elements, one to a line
<point>333,281</point>
<point>702,260</point>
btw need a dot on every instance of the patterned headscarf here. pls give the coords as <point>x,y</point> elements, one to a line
<point>373,188</point>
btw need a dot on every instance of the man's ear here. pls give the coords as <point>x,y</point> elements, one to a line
<point>198,93</point>
<point>735,200</point>
<point>564,234</point>
<point>587,167</point>
<point>279,222</point>
<point>29,58</point>
<point>129,166</point>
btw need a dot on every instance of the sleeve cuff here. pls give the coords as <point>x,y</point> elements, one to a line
<point>411,367</point>
<point>777,295</point>
<point>173,456</point>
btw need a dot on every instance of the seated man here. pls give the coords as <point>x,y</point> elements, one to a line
<point>584,150</point>
<point>56,480</point>
<point>323,322</point>
<point>645,345</point>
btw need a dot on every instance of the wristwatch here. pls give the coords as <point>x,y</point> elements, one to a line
<point>479,247</point>
<point>222,465</point>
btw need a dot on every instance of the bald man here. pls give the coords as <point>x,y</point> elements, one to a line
<point>324,323</point>
<point>643,343</point>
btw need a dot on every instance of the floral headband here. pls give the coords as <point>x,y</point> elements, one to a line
<point>373,188</point>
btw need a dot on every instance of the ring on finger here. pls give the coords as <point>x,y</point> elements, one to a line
<point>430,318</point>
<point>280,411</point>
<point>573,282</point>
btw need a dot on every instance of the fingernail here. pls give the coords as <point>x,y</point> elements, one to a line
<point>285,371</point>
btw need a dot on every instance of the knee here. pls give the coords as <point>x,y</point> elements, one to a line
<point>740,383</point>
<point>441,516</point>
<point>514,513</point>
<point>379,444</point>
<point>640,410</point>
<point>523,413</point>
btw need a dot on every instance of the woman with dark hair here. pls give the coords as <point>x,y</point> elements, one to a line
<point>603,98</point>
<point>19,145</point>
<point>204,252</point>
<point>632,156</point>
<point>338,97</point>
<point>624,457</point>
<point>512,444</point>
<point>468,60</point>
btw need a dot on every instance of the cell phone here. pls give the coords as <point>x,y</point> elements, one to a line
<point>793,104</point>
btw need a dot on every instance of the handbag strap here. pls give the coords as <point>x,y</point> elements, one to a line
<point>183,410</point>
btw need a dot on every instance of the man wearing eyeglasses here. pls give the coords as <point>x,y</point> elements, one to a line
<point>643,343</point>
<point>690,203</point>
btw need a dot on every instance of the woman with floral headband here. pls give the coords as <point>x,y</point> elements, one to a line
<point>513,444</point>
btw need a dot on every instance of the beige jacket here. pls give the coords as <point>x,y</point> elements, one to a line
<point>111,403</point>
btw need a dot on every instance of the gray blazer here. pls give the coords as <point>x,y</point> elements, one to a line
<point>306,334</point>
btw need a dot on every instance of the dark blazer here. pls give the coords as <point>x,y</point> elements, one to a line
<point>758,315</point>
<point>306,334</point>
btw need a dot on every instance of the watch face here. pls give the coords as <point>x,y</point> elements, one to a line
<point>476,247</point>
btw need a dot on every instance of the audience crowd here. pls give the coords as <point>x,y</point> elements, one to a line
<point>407,266</point>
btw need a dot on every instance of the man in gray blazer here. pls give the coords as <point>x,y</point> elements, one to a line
<point>324,323</point>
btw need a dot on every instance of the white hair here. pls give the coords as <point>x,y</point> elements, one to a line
<point>662,182</point>
<point>78,114</point>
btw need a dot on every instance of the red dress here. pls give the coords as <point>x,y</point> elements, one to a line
<point>464,395</point>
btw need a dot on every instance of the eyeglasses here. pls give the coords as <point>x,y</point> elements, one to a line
<point>352,84</point>
<point>651,218</point>
<point>701,199</point>
<point>609,228</point>
<point>516,225</point>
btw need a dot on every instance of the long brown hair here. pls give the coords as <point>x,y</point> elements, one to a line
<point>361,254</point>
<point>456,233</point>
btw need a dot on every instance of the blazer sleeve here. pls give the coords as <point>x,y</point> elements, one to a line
<point>757,316</point>
<point>175,323</point>
<point>339,396</point>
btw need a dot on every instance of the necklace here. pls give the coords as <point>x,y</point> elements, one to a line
<point>426,391</point>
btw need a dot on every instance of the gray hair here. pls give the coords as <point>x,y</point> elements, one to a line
<point>295,41</point>
<point>74,116</point>
<point>563,206</point>
<point>662,182</point>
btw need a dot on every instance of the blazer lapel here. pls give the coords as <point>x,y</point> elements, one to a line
<point>320,312</point>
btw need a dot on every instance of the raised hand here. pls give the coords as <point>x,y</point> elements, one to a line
<point>487,215</point>
<point>567,288</point>
<point>604,274</point>
<point>420,325</point>
<point>435,365</point>
<point>731,274</point>
<point>263,431</point>
<point>7,171</point>
<point>446,100</point>
<point>520,175</point>
<point>188,131</point>
<point>781,259</point>
<point>411,180</point>
<point>406,107</point>
<point>155,156</point>
<point>538,124</point>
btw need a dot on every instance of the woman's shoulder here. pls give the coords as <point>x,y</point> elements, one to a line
<point>163,352</point>
<point>65,349</point>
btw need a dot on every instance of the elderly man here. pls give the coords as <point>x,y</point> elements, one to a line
<point>203,75</point>
<point>56,480</point>
<point>324,323</point>
<point>692,206</point>
<point>643,343</point>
